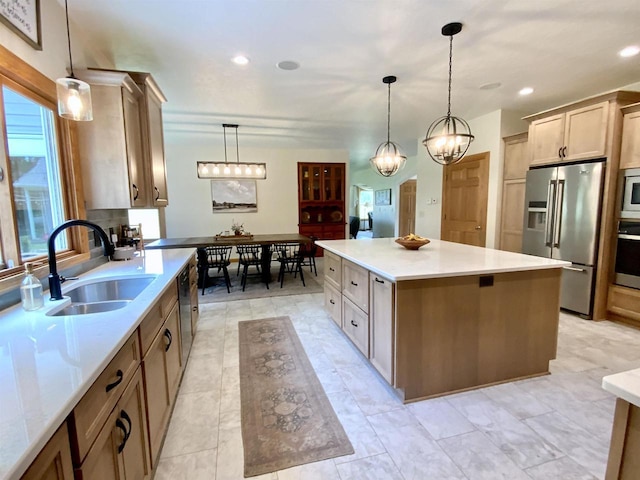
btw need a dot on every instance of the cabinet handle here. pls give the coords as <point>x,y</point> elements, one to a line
<point>113,385</point>
<point>354,283</point>
<point>195,309</point>
<point>331,269</point>
<point>122,427</point>
<point>135,197</point>
<point>354,323</point>
<point>167,334</point>
<point>378,280</point>
<point>564,152</point>
<point>157,192</point>
<point>560,152</point>
<point>332,302</point>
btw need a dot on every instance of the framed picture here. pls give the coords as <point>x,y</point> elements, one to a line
<point>23,17</point>
<point>234,196</point>
<point>383,197</point>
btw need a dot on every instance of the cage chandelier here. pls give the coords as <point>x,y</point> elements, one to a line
<point>237,170</point>
<point>448,138</point>
<point>388,160</point>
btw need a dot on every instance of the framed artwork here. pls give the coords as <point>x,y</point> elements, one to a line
<point>234,196</point>
<point>23,17</point>
<point>383,197</point>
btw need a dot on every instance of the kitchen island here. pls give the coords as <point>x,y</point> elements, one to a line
<point>447,317</point>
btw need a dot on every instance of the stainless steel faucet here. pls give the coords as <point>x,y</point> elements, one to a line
<point>55,280</point>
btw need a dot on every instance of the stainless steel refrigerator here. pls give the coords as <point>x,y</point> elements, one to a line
<point>562,219</point>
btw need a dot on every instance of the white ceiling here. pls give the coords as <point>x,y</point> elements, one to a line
<point>564,49</point>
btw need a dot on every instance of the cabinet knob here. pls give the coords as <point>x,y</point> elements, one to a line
<point>354,323</point>
<point>332,302</point>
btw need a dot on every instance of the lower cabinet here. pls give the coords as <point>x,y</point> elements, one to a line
<point>333,303</point>
<point>54,461</point>
<point>121,449</point>
<point>355,324</point>
<point>381,315</point>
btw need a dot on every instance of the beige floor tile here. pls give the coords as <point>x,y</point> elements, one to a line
<point>192,466</point>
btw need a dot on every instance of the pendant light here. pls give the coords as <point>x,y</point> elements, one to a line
<point>74,96</point>
<point>232,170</point>
<point>448,138</point>
<point>388,160</point>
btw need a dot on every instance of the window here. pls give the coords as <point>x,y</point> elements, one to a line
<point>149,219</point>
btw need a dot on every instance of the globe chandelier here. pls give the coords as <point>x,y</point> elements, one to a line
<point>388,160</point>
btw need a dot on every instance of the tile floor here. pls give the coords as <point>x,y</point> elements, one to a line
<point>551,427</point>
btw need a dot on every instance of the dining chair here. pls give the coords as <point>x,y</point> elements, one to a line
<point>308,255</point>
<point>249,256</point>
<point>218,258</point>
<point>288,254</point>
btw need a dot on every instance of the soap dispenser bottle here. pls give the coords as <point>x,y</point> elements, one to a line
<point>31,290</point>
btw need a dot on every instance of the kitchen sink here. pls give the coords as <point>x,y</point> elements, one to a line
<point>103,295</point>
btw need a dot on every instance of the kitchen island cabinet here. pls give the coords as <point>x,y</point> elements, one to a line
<point>449,317</point>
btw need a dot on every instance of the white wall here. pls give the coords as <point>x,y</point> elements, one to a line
<point>189,212</point>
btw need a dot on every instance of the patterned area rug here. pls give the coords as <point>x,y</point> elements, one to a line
<point>287,419</point>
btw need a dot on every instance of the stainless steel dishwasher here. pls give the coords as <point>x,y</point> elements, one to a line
<point>184,301</point>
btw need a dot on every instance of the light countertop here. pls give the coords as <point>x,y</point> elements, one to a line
<point>437,259</point>
<point>625,385</point>
<point>47,363</point>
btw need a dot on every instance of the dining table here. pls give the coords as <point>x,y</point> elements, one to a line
<point>264,240</point>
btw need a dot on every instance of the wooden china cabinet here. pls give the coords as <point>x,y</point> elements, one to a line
<point>321,197</point>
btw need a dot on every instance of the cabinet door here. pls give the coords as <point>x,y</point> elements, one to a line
<point>355,324</point>
<point>332,177</point>
<point>333,270</point>
<point>512,216</point>
<point>102,462</point>
<point>630,152</point>
<point>155,144</point>
<point>131,413</point>
<point>172,351</point>
<point>304,182</point>
<point>585,132</point>
<point>355,284</point>
<point>516,157</point>
<point>54,461</point>
<point>381,337</point>
<point>546,139</point>
<point>133,137</point>
<point>333,303</point>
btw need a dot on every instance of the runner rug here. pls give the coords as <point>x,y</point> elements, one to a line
<point>287,419</point>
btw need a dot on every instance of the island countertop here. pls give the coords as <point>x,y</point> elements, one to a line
<point>49,362</point>
<point>437,259</point>
<point>625,385</point>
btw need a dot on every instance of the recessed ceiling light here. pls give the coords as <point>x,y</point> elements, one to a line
<point>490,86</point>
<point>526,91</point>
<point>629,51</point>
<point>288,65</point>
<point>240,60</point>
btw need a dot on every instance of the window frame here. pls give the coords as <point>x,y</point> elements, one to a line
<point>26,80</point>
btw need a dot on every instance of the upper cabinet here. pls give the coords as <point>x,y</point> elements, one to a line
<point>153,137</point>
<point>576,134</point>
<point>630,150</point>
<point>122,149</point>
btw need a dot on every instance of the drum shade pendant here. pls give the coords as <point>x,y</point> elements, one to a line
<point>238,170</point>
<point>388,160</point>
<point>74,96</point>
<point>448,138</point>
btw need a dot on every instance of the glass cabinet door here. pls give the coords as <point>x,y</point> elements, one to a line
<point>316,185</point>
<point>333,182</point>
<point>305,183</point>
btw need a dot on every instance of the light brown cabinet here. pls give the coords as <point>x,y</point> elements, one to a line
<point>333,303</point>
<point>355,324</point>
<point>577,134</point>
<point>355,284</point>
<point>630,150</point>
<point>54,460</point>
<point>153,138</point>
<point>516,164</point>
<point>382,316</point>
<point>624,462</point>
<point>110,146</point>
<point>193,292</point>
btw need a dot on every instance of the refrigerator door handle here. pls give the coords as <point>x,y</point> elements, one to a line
<point>574,269</point>
<point>548,223</point>
<point>557,221</point>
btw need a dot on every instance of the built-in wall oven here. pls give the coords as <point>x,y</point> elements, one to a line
<point>631,194</point>
<point>628,254</point>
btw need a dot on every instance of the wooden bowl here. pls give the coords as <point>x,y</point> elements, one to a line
<point>412,244</point>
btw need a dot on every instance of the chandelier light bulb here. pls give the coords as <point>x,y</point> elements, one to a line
<point>388,160</point>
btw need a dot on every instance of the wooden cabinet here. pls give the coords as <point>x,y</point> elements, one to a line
<point>355,284</point>
<point>162,365</point>
<point>321,200</point>
<point>381,324</point>
<point>355,324</point>
<point>193,292</point>
<point>54,460</point>
<point>624,462</point>
<point>630,150</point>
<point>153,138</point>
<point>333,303</point>
<point>577,134</point>
<point>333,270</point>
<point>110,146</point>
<point>516,164</point>
<point>121,449</point>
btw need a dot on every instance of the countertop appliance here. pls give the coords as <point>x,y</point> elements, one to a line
<point>628,255</point>
<point>631,194</point>
<point>562,219</point>
<point>184,305</point>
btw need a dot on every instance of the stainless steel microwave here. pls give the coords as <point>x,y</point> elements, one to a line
<point>631,194</point>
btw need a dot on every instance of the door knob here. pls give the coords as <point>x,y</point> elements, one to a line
<point>478,227</point>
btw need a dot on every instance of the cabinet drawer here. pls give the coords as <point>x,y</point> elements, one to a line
<point>92,411</point>
<point>54,460</point>
<point>333,269</point>
<point>355,284</point>
<point>150,326</point>
<point>333,303</point>
<point>624,302</point>
<point>355,324</point>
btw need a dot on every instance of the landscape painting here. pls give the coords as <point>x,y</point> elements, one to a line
<point>234,196</point>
